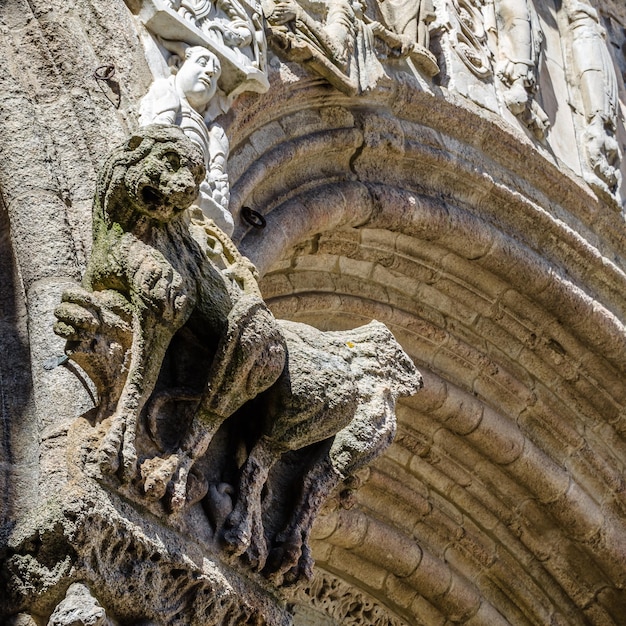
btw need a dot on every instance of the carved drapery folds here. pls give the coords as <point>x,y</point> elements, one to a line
<point>594,90</point>
<point>204,397</point>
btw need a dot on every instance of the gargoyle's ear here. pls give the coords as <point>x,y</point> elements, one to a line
<point>134,142</point>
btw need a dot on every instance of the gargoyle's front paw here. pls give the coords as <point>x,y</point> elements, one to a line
<point>75,322</point>
<point>160,287</point>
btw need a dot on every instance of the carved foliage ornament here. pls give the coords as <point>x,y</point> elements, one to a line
<point>345,605</point>
<point>204,397</point>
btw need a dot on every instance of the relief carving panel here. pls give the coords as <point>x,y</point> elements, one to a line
<point>339,40</point>
<point>520,40</point>
<point>468,23</point>
<point>231,29</point>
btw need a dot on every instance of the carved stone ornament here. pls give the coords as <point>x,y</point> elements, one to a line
<point>594,84</point>
<point>217,50</point>
<point>520,40</point>
<point>338,40</point>
<point>339,600</point>
<point>231,29</point>
<point>217,418</point>
<point>468,26</point>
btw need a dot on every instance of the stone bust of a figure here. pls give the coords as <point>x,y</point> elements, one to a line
<point>190,99</point>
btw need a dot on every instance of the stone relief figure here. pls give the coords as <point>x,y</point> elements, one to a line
<point>204,397</point>
<point>520,41</point>
<point>594,75</point>
<point>405,28</point>
<point>191,99</point>
<point>411,19</point>
<point>232,30</point>
<point>337,40</point>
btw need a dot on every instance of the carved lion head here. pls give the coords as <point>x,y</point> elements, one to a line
<point>155,174</point>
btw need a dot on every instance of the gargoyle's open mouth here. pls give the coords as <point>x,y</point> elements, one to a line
<point>151,197</point>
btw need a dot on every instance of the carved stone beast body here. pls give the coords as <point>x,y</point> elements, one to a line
<point>170,326</point>
<point>338,390</point>
<point>147,262</point>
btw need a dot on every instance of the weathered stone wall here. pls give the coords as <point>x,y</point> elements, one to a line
<point>58,122</point>
<point>426,203</point>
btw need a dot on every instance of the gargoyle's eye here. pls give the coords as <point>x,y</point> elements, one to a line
<point>173,159</point>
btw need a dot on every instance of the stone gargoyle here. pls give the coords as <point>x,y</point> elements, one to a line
<point>170,326</point>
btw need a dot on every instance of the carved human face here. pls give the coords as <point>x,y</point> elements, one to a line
<point>197,78</point>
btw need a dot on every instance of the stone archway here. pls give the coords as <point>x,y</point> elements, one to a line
<point>506,467</point>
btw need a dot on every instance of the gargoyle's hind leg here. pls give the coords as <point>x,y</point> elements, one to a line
<point>291,554</point>
<point>243,528</point>
<point>250,357</point>
<point>371,430</point>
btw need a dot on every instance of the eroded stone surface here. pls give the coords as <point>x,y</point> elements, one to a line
<point>125,565</point>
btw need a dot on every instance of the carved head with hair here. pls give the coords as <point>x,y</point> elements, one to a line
<point>155,174</point>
